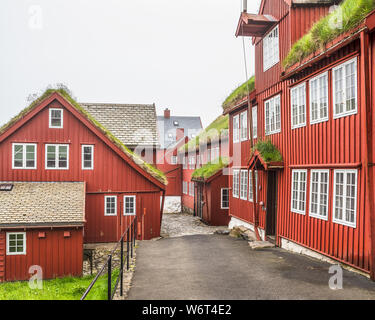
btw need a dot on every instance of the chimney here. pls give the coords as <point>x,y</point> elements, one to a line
<point>167,113</point>
<point>244,6</point>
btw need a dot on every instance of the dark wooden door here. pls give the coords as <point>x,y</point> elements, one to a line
<point>271,203</point>
<point>199,200</point>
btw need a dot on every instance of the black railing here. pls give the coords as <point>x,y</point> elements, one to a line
<point>129,236</point>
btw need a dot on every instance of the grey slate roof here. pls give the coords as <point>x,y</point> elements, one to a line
<point>134,124</point>
<point>191,125</point>
<point>43,203</point>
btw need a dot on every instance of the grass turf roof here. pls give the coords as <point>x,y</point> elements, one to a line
<point>239,93</point>
<point>268,151</point>
<point>350,12</point>
<point>211,168</point>
<point>63,92</point>
<point>218,128</point>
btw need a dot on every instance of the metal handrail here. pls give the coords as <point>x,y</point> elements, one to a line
<point>131,235</point>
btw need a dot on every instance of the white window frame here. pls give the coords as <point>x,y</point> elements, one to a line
<point>56,154</point>
<point>272,108</point>
<point>255,122</point>
<point>192,162</point>
<point>92,156</point>
<point>222,195</point>
<point>24,145</point>
<point>343,65</point>
<point>174,160</point>
<point>236,129</point>
<point>191,189</point>
<point>50,118</point>
<point>244,184</point>
<point>343,222</point>
<point>303,212</point>
<point>236,183</point>
<point>105,206</point>
<point>135,206</point>
<point>243,126</point>
<point>184,163</point>
<point>295,91</point>
<point>184,187</point>
<point>317,78</point>
<point>271,51</point>
<point>319,193</point>
<point>24,244</point>
<point>251,199</point>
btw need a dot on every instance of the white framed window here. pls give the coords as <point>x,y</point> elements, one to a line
<point>209,155</point>
<point>130,206</point>
<point>16,243</point>
<point>272,112</point>
<point>57,156</point>
<point>271,49</point>
<point>110,206</point>
<point>236,183</point>
<point>319,98</point>
<point>24,155</point>
<point>244,180</point>
<point>345,197</point>
<point>174,160</point>
<point>255,122</point>
<point>56,118</point>
<point>192,162</point>
<point>191,188</point>
<point>224,198</point>
<point>298,204</point>
<point>345,89</point>
<point>243,130</point>
<point>319,194</point>
<point>184,187</point>
<point>251,193</point>
<point>184,163</point>
<point>298,106</point>
<point>215,154</point>
<point>87,157</point>
<point>236,129</point>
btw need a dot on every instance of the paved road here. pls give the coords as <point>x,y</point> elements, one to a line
<point>218,267</point>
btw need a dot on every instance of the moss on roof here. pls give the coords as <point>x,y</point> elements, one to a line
<point>64,93</point>
<point>268,151</point>
<point>350,13</point>
<point>217,129</point>
<point>239,93</point>
<point>210,169</point>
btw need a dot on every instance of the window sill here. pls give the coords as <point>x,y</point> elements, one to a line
<point>346,224</point>
<point>342,115</point>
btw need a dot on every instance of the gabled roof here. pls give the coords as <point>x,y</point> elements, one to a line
<point>147,170</point>
<point>133,124</point>
<point>239,94</point>
<point>43,204</point>
<point>254,25</point>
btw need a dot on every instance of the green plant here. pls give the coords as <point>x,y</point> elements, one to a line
<point>239,93</point>
<point>268,151</point>
<point>211,168</point>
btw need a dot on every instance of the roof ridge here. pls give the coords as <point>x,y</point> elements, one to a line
<point>115,104</point>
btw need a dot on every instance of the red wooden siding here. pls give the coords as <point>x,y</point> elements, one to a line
<point>57,255</point>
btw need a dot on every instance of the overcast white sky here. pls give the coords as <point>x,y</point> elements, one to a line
<point>180,54</point>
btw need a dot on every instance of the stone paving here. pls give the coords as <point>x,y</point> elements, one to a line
<point>181,224</point>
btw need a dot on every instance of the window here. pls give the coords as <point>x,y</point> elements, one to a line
<point>175,123</point>
<point>184,187</point>
<point>174,160</point>
<point>110,205</point>
<point>16,243</point>
<point>224,198</point>
<point>244,179</point>
<point>56,118</point>
<point>345,89</point>
<point>273,115</point>
<point>299,191</point>
<point>129,206</point>
<point>24,156</point>
<point>57,156</point>
<point>184,163</point>
<point>236,183</point>
<point>298,105</point>
<point>251,193</point>
<point>319,194</point>
<point>345,197</point>
<point>191,189</point>
<point>209,156</point>
<point>87,157</point>
<point>271,49</point>
<point>215,154</point>
<point>255,122</point>
<point>191,162</point>
<point>236,129</point>
<point>319,98</point>
<point>243,118</point>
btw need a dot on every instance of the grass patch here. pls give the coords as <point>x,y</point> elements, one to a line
<point>65,93</point>
<point>347,16</point>
<point>268,151</point>
<point>69,288</point>
<point>211,168</point>
<point>239,93</point>
<point>217,129</point>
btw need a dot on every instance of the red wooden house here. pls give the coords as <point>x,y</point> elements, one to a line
<point>316,111</point>
<point>56,140</point>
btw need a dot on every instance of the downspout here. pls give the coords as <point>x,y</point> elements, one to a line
<point>162,207</point>
<point>366,132</point>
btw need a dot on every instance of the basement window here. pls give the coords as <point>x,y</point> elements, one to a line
<point>56,118</point>
<point>16,243</point>
<point>129,205</point>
